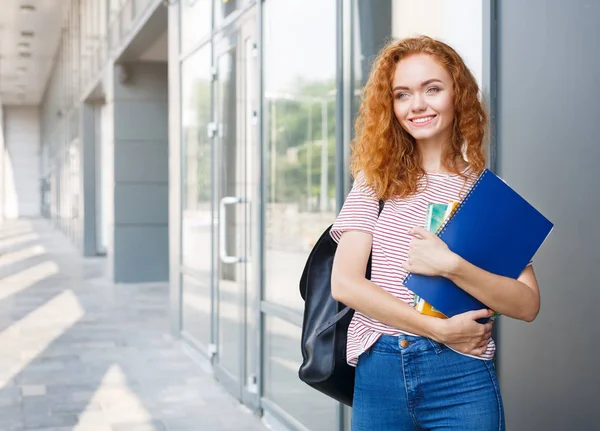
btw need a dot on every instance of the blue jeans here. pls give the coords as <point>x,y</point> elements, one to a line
<point>413,383</point>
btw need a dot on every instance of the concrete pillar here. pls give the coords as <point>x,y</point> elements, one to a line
<point>140,246</point>
<point>88,177</point>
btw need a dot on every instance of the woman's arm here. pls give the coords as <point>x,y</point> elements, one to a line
<point>349,286</point>
<point>519,299</point>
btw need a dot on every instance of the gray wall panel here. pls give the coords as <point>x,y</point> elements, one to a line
<point>141,120</point>
<point>548,150</point>
<point>142,203</point>
<point>143,81</point>
<point>141,177</point>
<point>140,254</point>
<point>154,168</point>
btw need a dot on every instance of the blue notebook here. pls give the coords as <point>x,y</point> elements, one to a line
<point>493,228</point>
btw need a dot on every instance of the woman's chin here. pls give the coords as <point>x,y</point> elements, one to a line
<point>424,135</point>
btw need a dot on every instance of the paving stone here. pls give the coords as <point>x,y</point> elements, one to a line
<point>10,397</point>
<point>33,390</point>
<point>11,418</point>
<point>112,367</point>
<point>143,426</point>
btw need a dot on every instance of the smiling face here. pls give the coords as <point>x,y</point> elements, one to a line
<point>423,99</point>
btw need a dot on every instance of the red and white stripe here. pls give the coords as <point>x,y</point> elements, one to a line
<point>390,244</point>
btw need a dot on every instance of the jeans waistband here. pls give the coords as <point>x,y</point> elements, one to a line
<point>410,343</point>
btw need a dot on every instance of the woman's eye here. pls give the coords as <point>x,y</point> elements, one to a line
<point>433,90</point>
<point>401,95</point>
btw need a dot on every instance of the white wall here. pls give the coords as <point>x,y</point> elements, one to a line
<point>21,162</point>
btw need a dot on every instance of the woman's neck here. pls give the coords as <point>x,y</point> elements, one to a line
<point>432,156</point>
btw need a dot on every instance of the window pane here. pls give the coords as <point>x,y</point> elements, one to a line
<point>299,138</point>
<point>196,194</point>
<point>224,8</point>
<point>196,308</point>
<point>196,160</point>
<point>196,19</point>
<point>282,385</point>
<point>375,22</point>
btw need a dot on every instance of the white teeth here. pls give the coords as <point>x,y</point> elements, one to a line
<point>422,120</point>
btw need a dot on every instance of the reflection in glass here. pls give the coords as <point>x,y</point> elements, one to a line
<point>196,308</point>
<point>196,217</point>
<point>230,176</point>
<point>372,29</point>
<point>282,359</point>
<point>196,194</point>
<point>299,138</point>
<point>196,19</point>
<point>376,21</point>
<point>224,8</point>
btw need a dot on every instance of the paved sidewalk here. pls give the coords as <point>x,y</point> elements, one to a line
<point>79,353</point>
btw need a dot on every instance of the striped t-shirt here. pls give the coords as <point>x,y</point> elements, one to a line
<point>391,241</point>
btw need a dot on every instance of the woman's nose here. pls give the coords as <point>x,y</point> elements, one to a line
<point>418,103</point>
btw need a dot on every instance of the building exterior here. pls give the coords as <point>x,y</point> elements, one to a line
<point>205,143</point>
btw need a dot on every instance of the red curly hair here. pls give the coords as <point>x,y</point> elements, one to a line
<point>384,152</point>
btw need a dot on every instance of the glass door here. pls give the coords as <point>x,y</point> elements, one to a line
<point>236,158</point>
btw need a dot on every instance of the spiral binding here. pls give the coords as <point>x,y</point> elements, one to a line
<point>442,228</point>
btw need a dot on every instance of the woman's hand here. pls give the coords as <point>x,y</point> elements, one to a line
<point>464,334</point>
<point>428,254</point>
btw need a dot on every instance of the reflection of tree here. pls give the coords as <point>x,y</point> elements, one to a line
<point>301,170</point>
<point>197,144</point>
<point>300,138</point>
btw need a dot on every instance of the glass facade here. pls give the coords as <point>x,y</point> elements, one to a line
<point>304,92</point>
<point>92,31</point>
<point>282,358</point>
<point>376,22</point>
<point>299,136</point>
<point>61,192</point>
<point>196,219</point>
<point>195,22</point>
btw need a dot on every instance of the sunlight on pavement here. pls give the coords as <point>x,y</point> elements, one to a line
<point>19,239</point>
<point>49,322</point>
<point>15,228</point>
<point>117,401</point>
<point>19,255</point>
<point>28,277</point>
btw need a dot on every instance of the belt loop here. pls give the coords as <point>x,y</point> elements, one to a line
<point>437,347</point>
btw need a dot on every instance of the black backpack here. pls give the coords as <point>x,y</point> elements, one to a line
<point>325,326</point>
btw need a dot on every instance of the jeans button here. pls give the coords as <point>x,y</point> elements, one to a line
<point>404,344</point>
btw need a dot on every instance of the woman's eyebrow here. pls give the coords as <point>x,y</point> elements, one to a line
<point>423,84</point>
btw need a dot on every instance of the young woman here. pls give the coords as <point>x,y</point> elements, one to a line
<point>419,140</point>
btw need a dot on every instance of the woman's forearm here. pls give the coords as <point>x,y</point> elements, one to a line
<point>369,299</point>
<point>504,295</point>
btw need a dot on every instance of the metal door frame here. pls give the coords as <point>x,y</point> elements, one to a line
<point>234,37</point>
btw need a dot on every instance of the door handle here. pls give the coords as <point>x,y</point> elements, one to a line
<point>228,200</point>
